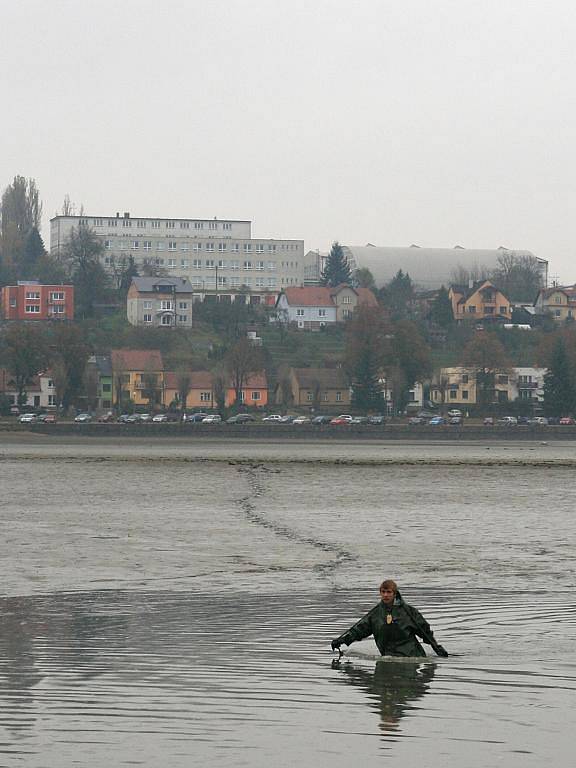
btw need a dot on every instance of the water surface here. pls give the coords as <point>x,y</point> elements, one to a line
<point>173,604</point>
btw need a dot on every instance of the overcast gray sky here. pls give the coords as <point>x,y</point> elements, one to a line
<point>436,122</point>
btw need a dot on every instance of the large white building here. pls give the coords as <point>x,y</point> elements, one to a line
<point>218,256</point>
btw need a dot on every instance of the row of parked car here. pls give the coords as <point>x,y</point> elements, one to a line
<point>535,421</point>
<point>246,418</point>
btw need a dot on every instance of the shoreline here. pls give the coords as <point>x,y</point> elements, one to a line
<point>287,433</point>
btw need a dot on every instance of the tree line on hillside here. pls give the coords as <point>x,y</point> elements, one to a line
<point>62,349</point>
<point>23,255</point>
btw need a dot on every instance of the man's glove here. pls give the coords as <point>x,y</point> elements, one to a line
<point>440,651</point>
<point>336,644</point>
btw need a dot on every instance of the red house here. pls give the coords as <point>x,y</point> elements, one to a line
<point>30,300</point>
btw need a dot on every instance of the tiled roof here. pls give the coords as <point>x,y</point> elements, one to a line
<point>366,297</point>
<point>311,296</point>
<point>204,380</point>
<point>326,378</point>
<point>137,360</point>
<point>162,284</point>
<point>7,383</point>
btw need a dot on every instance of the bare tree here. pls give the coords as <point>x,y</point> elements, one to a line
<point>68,207</point>
<point>184,385</point>
<point>59,374</point>
<point>242,361</point>
<point>120,378</point>
<point>219,386</point>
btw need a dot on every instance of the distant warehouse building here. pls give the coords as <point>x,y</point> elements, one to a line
<point>429,268</point>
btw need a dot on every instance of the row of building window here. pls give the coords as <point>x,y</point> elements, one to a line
<point>165,304</point>
<point>324,397</point>
<point>155,224</point>
<point>33,295</point>
<point>34,309</point>
<point>321,313</point>
<point>207,397</point>
<point>488,310</point>
<point>167,319</point>
<point>247,266</point>
<point>146,245</point>
<point>234,282</point>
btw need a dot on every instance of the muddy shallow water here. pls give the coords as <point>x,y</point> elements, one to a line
<point>169,604</point>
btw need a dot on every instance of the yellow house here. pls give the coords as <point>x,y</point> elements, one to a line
<point>482,301</point>
<point>457,387</point>
<point>560,302</point>
<point>315,388</point>
<point>454,386</point>
<point>138,375</point>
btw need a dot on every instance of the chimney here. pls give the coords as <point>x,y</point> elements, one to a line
<point>126,214</point>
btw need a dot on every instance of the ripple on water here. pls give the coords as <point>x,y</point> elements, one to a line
<point>150,675</point>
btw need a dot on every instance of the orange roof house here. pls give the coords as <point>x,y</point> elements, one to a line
<point>311,307</point>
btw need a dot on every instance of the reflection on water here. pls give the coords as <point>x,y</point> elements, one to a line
<point>181,613</point>
<point>393,687</point>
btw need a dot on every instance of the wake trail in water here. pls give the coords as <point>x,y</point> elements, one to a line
<point>255,475</point>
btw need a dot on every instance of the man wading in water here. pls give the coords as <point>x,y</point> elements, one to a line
<point>394,625</point>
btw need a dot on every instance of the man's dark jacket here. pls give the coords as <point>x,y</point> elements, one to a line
<point>397,638</point>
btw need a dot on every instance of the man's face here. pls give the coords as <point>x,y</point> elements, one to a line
<point>387,596</point>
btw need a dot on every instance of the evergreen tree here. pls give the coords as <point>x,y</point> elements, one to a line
<point>397,295</point>
<point>367,347</point>
<point>336,270</point>
<point>34,252</point>
<point>559,385</point>
<point>441,312</point>
<point>130,270</point>
<point>367,392</point>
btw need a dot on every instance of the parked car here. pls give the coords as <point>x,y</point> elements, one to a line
<point>553,420</point>
<point>160,418</point>
<point>274,417</point>
<point>416,420</point>
<point>106,417</point>
<point>145,417</point>
<point>288,419</point>
<point>321,420</point>
<point>523,420</point>
<point>27,418</point>
<point>455,420</point>
<point>567,421</point>
<point>538,421</point>
<point>194,418</point>
<point>123,418</point>
<point>426,414</point>
<point>344,418</point>
<point>301,420</point>
<point>436,421</point>
<point>83,418</point>
<point>488,421</point>
<point>377,419</point>
<point>240,418</point>
<point>212,419</point>
<point>508,421</point>
<point>359,420</point>
<point>47,418</point>
<point>454,412</point>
